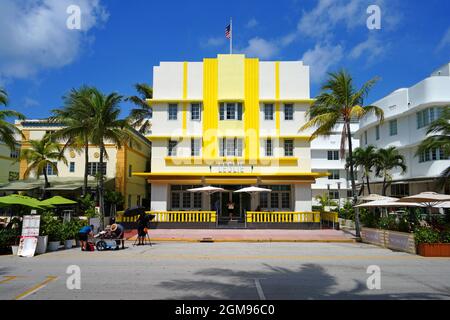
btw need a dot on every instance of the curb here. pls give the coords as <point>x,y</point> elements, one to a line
<point>249,240</point>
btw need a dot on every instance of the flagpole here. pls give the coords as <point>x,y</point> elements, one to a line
<point>231,35</point>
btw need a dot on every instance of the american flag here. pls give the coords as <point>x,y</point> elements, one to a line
<point>228,31</point>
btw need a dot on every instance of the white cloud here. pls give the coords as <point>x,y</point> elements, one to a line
<point>34,34</point>
<point>371,48</point>
<point>261,48</point>
<point>321,59</point>
<point>327,14</point>
<point>29,102</point>
<point>445,41</point>
<point>252,23</point>
<point>213,42</point>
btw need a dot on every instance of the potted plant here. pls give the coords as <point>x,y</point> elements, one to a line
<point>9,239</point>
<point>54,232</point>
<point>432,242</point>
<point>69,233</point>
<point>46,219</point>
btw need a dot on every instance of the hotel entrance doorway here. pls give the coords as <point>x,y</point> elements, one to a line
<point>221,202</point>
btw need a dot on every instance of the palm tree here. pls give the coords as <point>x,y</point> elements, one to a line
<point>387,160</point>
<point>106,127</point>
<point>440,139</point>
<point>325,201</point>
<point>41,155</point>
<point>7,129</point>
<point>76,117</point>
<point>366,159</point>
<point>140,117</point>
<point>339,101</point>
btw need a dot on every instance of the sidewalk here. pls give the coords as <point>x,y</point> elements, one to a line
<point>245,235</point>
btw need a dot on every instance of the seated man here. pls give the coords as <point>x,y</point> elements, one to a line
<point>118,231</point>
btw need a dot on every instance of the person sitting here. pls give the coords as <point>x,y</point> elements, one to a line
<point>84,234</point>
<point>118,232</point>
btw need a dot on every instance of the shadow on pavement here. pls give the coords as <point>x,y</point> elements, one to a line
<point>309,282</point>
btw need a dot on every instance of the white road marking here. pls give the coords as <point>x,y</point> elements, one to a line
<point>259,290</point>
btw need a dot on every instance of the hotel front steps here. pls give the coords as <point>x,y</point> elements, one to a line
<point>226,223</point>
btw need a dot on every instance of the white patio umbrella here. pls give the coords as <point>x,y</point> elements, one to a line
<point>387,204</point>
<point>208,190</point>
<point>253,190</point>
<point>427,199</point>
<point>376,197</point>
<point>445,205</point>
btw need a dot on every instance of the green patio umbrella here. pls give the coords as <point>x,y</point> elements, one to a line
<point>58,201</point>
<point>15,199</point>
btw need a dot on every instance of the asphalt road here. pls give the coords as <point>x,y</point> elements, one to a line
<point>227,271</point>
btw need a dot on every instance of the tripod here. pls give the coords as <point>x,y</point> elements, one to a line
<point>146,240</point>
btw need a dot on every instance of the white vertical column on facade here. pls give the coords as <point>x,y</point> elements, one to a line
<point>302,197</point>
<point>159,197</point>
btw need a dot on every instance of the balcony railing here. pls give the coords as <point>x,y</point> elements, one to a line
<point>176,216</point>
<point>282,217</point>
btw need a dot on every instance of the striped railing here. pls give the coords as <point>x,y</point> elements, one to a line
<point>175,217</point>
<point>282,217</point>
<point>331,217</point>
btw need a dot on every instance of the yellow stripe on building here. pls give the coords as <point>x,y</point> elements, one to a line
<point>185,88</point>
<point>251,115</point>
<point>277,97</point>
<point>211,114</point>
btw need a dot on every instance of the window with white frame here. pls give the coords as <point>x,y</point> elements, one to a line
<point>289,111</point>
<point>334,175</point>
<point>230,147</point>
<point>72,167</point>
<point>196,145</point>
<point>432,155</point>
<point>182,199</point>
<point>426,116</point>
<point>230,111</point>
<point>196,111</point>
<point>288,148</point>
<point>172,148</point>
<point>333,194</point>
<point>400,190</point>
<point>268,111</point>
<point>393,127</point>
<point>173,111</point>
<point>269,148</point>
<point>333,155</point>
<point>14,153</point>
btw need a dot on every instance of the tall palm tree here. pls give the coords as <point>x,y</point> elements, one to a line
<point>7,129</point>
<point>365,158</point>
<point>339,101</point>
<point>76,117</point>
<point>439,130</point>
<point>140,116</point>
<point>41,155</point>
<point>106,127</point>
<point>387,160</point>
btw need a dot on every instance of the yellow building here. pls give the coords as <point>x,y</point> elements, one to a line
<point>8,164</point>
<point>118,166</point>
<point>230,122</point>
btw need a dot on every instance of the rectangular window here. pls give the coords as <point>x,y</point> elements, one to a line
<point>334,194</point>
<point>130,171</point>
<point>172,148</point>
<point>377,132</point>
<point>173,111</point>
<point>274,198</point>
<point>175,200</point>
<point>333,155</point>
<point>365,137</point>
<point>197,200</point>
<point>72,167</point>
<point>195,147</point>
<point>288,112</point>
<point>268,111</point>
<point>400,190</point>
<point>269,148</point>
<point>229,147</point>
<point>14,153</point>
<point>264,200</point>
<point>334,175</point>
<point>187,200</point>
<point>288,148</point>
<point>285,200</point>
<point>95,167</point>
<point>230,111</point>
<point>279,198</point>
<point>195,112</point>
<point>393,127</point>
<point>182,199</point>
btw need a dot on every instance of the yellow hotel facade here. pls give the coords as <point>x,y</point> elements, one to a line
<point>230,122</point>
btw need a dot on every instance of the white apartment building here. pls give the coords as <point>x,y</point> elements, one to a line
<point>408,112</point>
<point>325,158</point>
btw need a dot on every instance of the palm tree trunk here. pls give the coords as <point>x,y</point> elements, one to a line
<point>100,189</point>
<point>352,178</point>
<point>86,166</point>
<point>45,183</point>
<point>384,185</point>
<point>368,183</point>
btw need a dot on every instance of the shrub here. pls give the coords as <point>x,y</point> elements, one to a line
<point>347,211</point>
<point>8,237</point>
<point>426,235</point>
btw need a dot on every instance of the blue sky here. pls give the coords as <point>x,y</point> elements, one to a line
<point>120,41</point>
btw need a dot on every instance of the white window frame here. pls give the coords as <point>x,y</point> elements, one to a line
<point>392,126</point>
<point>268,111</point>
<point>268,148</point>
<point>287,152</point>
<point>170,115</point>
<point>196,147</point>
<point>172,151</point>
<point>198,115</point>
<point>291,107</point>
<point>234,113</point>
<point>231,147</point>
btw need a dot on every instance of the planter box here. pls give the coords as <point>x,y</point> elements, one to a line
<point>400,241</point>
<point>434,249</point>
<point>42,244</point>
<point>14,250</point>
<point>68,244</point>
<point>53,245</point>
<point>347,223</point>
